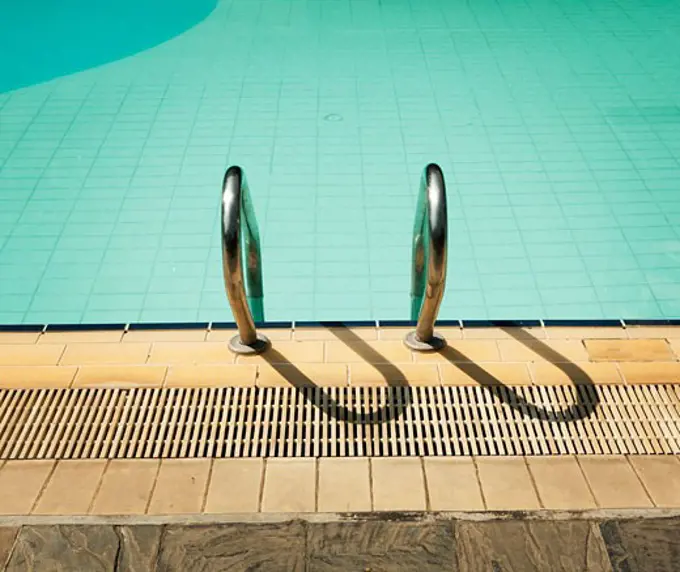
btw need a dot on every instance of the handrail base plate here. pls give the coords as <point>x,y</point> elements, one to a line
<point>437,342</point>
<point>238,347</point>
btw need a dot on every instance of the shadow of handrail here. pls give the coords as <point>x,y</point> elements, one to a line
<point>398,401</point>
<point>582,409</point>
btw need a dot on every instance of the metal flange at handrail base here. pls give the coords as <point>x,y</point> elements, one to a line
<point>260,345</point>
<point>435,343</point>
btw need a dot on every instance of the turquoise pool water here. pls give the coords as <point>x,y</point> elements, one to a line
<point>556,123</point>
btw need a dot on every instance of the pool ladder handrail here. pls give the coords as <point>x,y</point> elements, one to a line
<point>429,255</point>
<point>241,239</point>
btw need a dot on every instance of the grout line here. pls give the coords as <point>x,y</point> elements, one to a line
<point>41,492</point>
<point>208,482</point>
<point>479,483</point>
<point>428,503</point>
<point>164,380</point>
<point>317,462</point>
<point>61,354</point>
<point>97,488</point>
<point>153,487</point>
<point>533,481</point>
<point>642,482</point>
<point>370,483</point>
<point>260,498</point>
<point>585,478</point>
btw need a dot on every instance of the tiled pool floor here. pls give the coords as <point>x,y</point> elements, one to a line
<point>557,126</point>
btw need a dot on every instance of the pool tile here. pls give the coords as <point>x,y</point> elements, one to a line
<point>21,483</point>
<point>398,484</point>
<point>81,353</point>
<point>61,497</point>
<point>31,355</point>
<point>560,483</point>
<point>125,487</point>
<point>235,486</point>
<point>629,350</point>
<point>180,486</point>
<point>506,484</point>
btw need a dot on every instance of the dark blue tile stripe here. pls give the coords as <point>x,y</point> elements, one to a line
<point>340,324</point>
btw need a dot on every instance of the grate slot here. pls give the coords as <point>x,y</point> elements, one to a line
<point>340,421</point>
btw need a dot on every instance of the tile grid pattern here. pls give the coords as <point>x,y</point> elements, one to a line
<point>556,126</point>
<point>195,486</point>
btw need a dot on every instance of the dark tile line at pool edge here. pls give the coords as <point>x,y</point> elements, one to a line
<point>463,324</point>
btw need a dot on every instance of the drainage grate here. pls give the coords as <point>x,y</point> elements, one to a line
<point>361,421</point>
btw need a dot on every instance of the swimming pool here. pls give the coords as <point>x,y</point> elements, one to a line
<point>556,124</point>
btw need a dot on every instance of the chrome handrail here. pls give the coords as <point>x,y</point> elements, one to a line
<point>246,297</point>
<point>429,254</point>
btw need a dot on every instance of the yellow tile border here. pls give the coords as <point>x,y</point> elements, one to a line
<point>267,485</point>
<point>376,355</point>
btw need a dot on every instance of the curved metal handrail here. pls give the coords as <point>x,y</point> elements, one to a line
<point>246,297</point>
<point>429,255</point>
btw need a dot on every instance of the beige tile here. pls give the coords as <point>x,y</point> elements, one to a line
<point>548,350</point>
<point>560,483</point>
<point>398,333</point>
<point>71,488</point>
<point>614,482</point>
<point>180,486</point>
<point>485,374</point>
<point>137,336</point>
<point>661,477</point>
<point>288,352</point>
<point>273,334</point>
<point>503,333</point>
<point>27,354</point>
<point>11,338</point>
<point>452,483</point>
<point>463,351</point>
<point>120,376</point>
<point>211,376</point>
<point>585,333</point>
<point>545,373</point>
<point>344,485</point>
<point>20,485</point>
<point>104,353</point>
<point>398,483</point>
<point>654,332</point>
<point>335,334</point>
<point>36,377</point>
<point>650,372</point>
<point>403,374</point>
<point>289,485</point>
<point>195,353</point>
<point>235,486</point>
<point>301,375</point>
<point>629,350</point>
<point>368,351</point>
<point>126,487</point>
<point>81,336</point>
<point>506,483</point>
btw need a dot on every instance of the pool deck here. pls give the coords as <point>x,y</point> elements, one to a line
<point>370,513</point>
<point>326,357</point>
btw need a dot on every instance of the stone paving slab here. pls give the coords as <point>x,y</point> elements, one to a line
<point>271,547</point>
<point>642,545</point>
<point>520,545</point>
<point>381,547</point>
<point>396,542</point>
